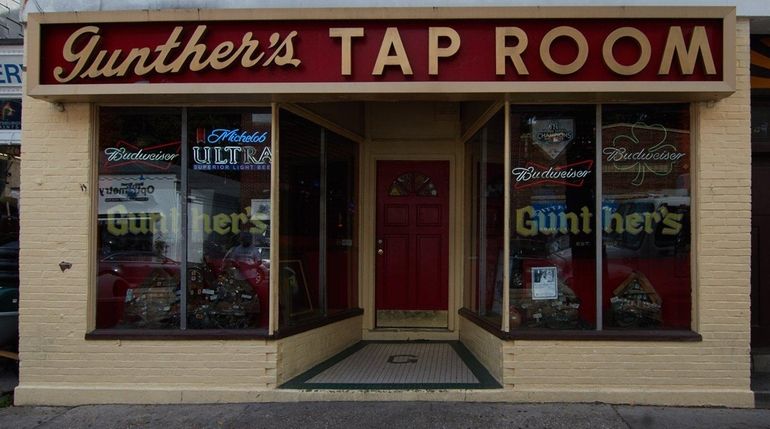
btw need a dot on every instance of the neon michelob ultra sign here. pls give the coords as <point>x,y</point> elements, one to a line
<point>232,149</point>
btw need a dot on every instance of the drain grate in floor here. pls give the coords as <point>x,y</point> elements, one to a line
<point>398,365</point>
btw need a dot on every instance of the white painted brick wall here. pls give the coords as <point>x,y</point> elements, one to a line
<point>301,352</point>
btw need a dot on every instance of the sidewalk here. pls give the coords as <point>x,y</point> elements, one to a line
<point>386,415</point>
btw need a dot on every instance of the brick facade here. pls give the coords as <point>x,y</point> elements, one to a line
<point>60,367</point>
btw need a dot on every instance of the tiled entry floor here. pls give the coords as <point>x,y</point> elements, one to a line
<point>398,365</point>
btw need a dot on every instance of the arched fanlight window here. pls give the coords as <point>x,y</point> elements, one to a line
<point>413,183</point>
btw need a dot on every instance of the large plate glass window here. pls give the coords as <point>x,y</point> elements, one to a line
<point>318,273</point>
<point>486,165</point>
<point>139,201</point>
<point>228,218</point>
<point>646,216</point>
<point>552,243</point>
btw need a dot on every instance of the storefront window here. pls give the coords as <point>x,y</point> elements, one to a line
<point>10,163</point>
<point>139,203</point>
<point>553,246</point>
<point>485,268</point>
<point>300,225</point>
<point>341,223</point>
<point>646,216</point>
<point>211,268</point>
<point>556,279</point>
<point>318,266</point>
<point>228,218</point>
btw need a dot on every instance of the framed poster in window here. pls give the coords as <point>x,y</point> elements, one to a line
<point>544,283</point>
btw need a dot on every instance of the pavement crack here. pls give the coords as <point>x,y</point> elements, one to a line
<point>617,413</point>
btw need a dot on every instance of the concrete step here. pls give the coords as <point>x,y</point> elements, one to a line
<point>762,400</point>
<point>760,360</point>
<point>760,384</point>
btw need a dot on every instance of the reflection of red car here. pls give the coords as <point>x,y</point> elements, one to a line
<point>254,271</point>
<point>121,271</point>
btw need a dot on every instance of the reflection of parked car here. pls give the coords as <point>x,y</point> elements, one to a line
<point>9,294</point>
<point>9,264</point>
<point>122,271</point>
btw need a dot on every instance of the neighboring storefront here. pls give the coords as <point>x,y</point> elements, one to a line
<point>11,69</point>
<point>216,201</point>
<point>760,163</point>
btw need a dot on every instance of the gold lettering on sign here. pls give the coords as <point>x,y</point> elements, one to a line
<point>284,53</point>
<point>577,37</point>
<point>77,57</point>
<point>644,54</point>
<point>687,56</point>
<point>435,52</point>
<point>513,52</point>
<point>87,62</point>
<point>346,36</point>
<point>192,48</point>
<point>392,41</point>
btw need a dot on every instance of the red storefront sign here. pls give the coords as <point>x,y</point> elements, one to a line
<point>505,50</point>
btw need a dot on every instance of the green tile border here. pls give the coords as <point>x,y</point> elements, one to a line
<point>486,381</point>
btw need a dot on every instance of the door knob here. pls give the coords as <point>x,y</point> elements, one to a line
<point>380,252</point>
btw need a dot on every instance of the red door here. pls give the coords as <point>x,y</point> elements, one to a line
<point>412,241</point>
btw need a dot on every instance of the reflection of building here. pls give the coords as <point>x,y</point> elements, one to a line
<point>379,179</point>
<point>11,52</point>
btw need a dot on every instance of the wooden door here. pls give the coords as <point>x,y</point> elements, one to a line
<point>412,241</point>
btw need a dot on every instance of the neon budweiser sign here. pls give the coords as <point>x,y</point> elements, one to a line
<point>159,157</point>
<point>572,175</point>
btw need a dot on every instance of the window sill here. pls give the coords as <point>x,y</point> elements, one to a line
<point>178,334</point>
<point>308,325</point>
<point>218,334</point>
<point>578,335</point>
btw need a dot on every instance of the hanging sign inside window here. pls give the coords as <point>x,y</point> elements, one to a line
<point>232,149</point>
<point>553,135</point>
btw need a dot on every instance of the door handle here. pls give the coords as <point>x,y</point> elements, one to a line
<point>380,252</point>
